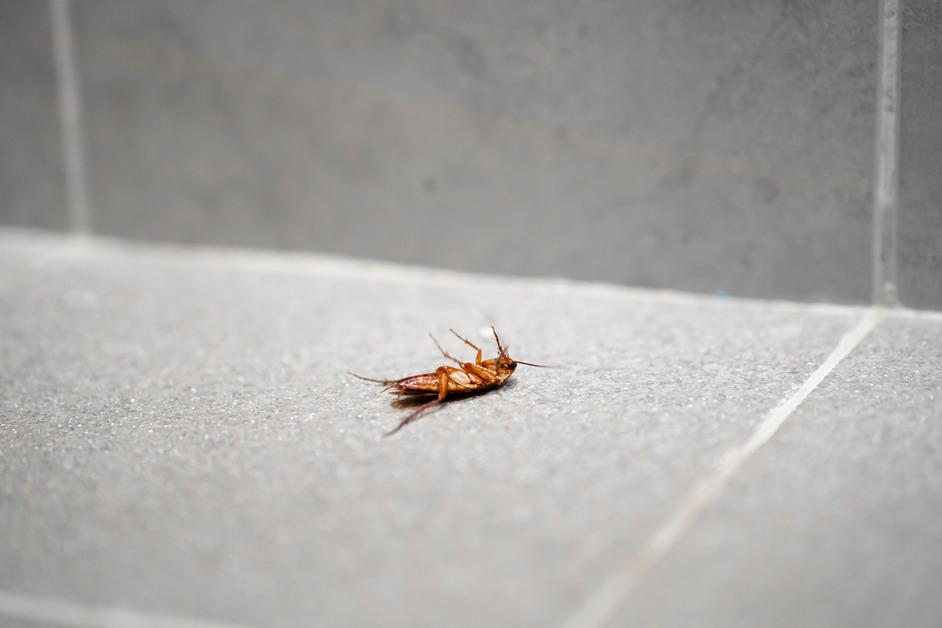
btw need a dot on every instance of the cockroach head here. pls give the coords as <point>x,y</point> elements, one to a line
<point>506,362</point>
<point>503,357</point>
<point>509,363</point>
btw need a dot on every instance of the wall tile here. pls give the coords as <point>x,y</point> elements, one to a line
<point>920,221</point>
<point>671,144</point>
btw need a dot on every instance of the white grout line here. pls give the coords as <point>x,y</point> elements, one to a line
<point>319,264</point>
<point>65,613</point>
<point>337,266</point>
<point>599,608</point>
<point>70,115</point>
<point>886,176</point>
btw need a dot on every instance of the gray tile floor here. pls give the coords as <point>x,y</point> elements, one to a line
<point>180,446</point>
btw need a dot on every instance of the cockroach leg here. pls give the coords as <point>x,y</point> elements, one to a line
<point>477,359</point>
<point>413,416</point>
<point>443,377</point>
<point>500,347</point>
<point>480,373</point>
<point>475,379</point>
<point>445,353</point>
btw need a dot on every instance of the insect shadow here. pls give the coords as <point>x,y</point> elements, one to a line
<point>450,383</point>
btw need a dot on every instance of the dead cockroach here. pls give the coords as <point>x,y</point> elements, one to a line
<point>469,378</point>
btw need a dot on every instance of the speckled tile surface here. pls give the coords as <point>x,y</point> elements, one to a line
<point>179,436</point>
<point>837,521</point>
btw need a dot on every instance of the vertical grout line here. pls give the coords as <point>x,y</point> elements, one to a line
<point>70,115</point>
<point>886,179</point>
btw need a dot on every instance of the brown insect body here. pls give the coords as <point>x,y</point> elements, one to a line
<point>471,377</point>
<point>467,379</point>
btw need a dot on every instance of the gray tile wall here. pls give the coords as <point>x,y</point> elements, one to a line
<point>920,221</point>
<point>32,188</point>
<point>721,148</point>
<point>668,144</point>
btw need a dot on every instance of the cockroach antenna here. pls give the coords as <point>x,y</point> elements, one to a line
<point>539,366</point>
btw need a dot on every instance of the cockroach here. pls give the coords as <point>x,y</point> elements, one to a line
<point>470,378</point>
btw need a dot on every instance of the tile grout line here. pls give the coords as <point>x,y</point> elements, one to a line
<point>886,161</point>
<point>66,613</point>
<point>324,264</point>
<point>601,605</point>
<point>70,115</point>
<point>210,256</point>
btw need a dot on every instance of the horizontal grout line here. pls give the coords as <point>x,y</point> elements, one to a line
<point>329,265</point>
<point>600,607</point>
<point>303,262</point>
<point>67,613</point>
